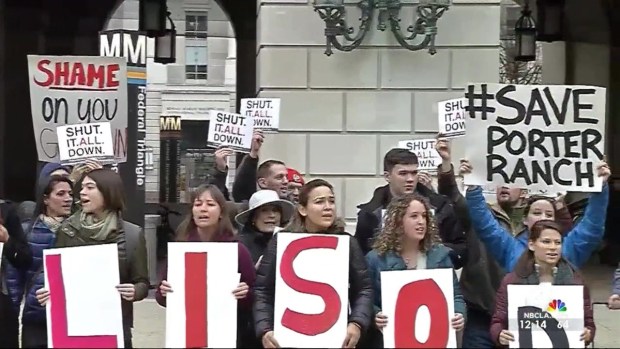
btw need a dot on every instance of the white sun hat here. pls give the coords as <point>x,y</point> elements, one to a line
<point>266,197</point>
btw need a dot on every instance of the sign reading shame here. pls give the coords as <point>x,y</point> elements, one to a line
<point>536,137</point>
<point>428,158</point>
<point>85,141</point>
<point>541,316</point>
<point>68,90</point>
<point>265,111</point>
<point>231,130</point>
<point>452,117</point>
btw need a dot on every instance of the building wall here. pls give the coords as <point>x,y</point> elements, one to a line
<point>341,114</point>
<point>167,88</point>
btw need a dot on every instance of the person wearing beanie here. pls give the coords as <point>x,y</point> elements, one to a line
<point>52,169</point>
<point>295,182</point>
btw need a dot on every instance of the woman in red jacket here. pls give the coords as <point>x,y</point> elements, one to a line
<point>541,264</point>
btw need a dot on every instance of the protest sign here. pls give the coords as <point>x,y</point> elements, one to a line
<point>541,316</point>
<point>67,90</point>
<point>536,137</point>
<point>452,118</point>
<point>265,111</point>
<point>231,130</point>
<point>201,312</point>
<point>428,158</point>
<point>75,276</point>
<point>408,325</point>
<point>85,141</point>
<point>1,248</point>
<point>311,306</point>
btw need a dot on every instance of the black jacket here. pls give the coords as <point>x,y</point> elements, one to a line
<point>245,179</point>
<point>450,229</point>
<point>360,289</point>
<point>255,241</point>
<point>16,251</point>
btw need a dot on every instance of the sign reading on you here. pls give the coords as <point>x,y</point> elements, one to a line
<point>75,276</point>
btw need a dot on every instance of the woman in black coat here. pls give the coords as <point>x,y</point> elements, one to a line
<point>315,214</point>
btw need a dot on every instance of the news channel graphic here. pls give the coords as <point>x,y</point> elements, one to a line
<point>554,317</point>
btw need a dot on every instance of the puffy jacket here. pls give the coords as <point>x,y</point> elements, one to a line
<point>437,257</point>
<point>578,245</point>
<point>450,229</point>
<point>360,288</point>
<point>16,255</point>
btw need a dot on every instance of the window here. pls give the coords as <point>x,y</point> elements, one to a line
<point>196,58</point>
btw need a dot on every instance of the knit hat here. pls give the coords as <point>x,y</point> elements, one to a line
<point>49,168</point>
<point>294,176</point>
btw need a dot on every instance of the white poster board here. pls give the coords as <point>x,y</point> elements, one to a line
<point>264,111</point>
<point>423,321</point>
<point>428,157</point>
<point>231,130</point>
<point>452,117</point>
<point>217,315</point>
<point>67,90</point>
<point>85,141</point>
<point>1,251</point>
<point>535,136</point>
<point>538,313</point>
<point>82,281</point>
<point>312,283</point>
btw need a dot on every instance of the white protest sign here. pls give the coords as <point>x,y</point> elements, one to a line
<point>231,130</point>
<point>537,137</point>
<point>85,141</point>
<point>265,111</point>
<point>414,321</point>
<point>82,281</point>
<point>1,250</point>
<point>312,284</point>
<point>428,157</point>
<point>541,316</point>
<point>452,117</point>
<point>67,90</point>
<point>201,312</point>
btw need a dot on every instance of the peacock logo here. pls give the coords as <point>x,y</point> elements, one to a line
<point>556,305</point>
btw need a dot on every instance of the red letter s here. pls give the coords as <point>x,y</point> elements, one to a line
<point>309,324</point>
<point>410,298</point>
<point>42,67</point>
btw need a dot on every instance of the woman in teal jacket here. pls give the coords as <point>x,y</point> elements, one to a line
<point>409,240</point>
<point>578,245</point>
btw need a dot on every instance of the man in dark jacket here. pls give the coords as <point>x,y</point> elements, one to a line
<point>401,172</point>
<point>16,252</point>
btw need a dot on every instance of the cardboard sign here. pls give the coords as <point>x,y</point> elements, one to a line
<point>201,312</point>
<point>545,316</point>
<point>312,283</point>
<point>452,118</point>
<point>415,321</point>
<point>231,130</point>
<point>536,137</point>
<point>82,281</point>
<point>67,90</point>
<point>265,111</point>
<point>428,157</point>
<point>85,141</point>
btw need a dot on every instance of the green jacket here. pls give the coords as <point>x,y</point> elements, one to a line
<point>131,253</point>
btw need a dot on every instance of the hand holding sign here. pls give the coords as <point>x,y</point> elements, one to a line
<point>4,234</point>
<point>425,179</point>
<point>381,320</point>
<point>127,291</point>
<point>221,155</point>
<point>43,296</point>
<point>586,336</point>
<point>165,288</point>
<point>603,171</point>
<point>241,291</point>
<point>613,302</point>
<point>353,335</point>
<point>458,322</point>
<point>465,167</point>
<point>269,340</point>
<point>505,337</point>
<point>257,143</point>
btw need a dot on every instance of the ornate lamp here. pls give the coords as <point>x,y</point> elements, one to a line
<point>525,36</point>
<point>550,20</point>
<point>152,17</point>
<point>333,13</point>
<point>165,45</point>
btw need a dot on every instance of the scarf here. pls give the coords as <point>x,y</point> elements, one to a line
<point>562,276</point>
<point>98,230</point>
<point>51,222</point>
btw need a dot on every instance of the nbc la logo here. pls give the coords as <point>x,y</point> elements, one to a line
<point>556,305</point>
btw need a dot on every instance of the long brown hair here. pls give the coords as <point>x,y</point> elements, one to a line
<point>392,233</point>
<point>525,264</point>
<point>298,224</point>
<point>110,184</point>
<point>225,227</point>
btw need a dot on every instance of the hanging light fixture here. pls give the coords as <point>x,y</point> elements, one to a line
<point>525,36</point>
<point>165,44</point>
<point>152,17</point>
<point>550,18</point>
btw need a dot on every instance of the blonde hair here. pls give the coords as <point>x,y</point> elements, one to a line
<point>392,233</point>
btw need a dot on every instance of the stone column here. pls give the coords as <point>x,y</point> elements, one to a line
<point>341,114</point>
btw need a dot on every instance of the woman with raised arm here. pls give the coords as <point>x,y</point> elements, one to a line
<point>578,245</point>
<point>315,214</point>
<point>542,263</point>
<point>409,241</point>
